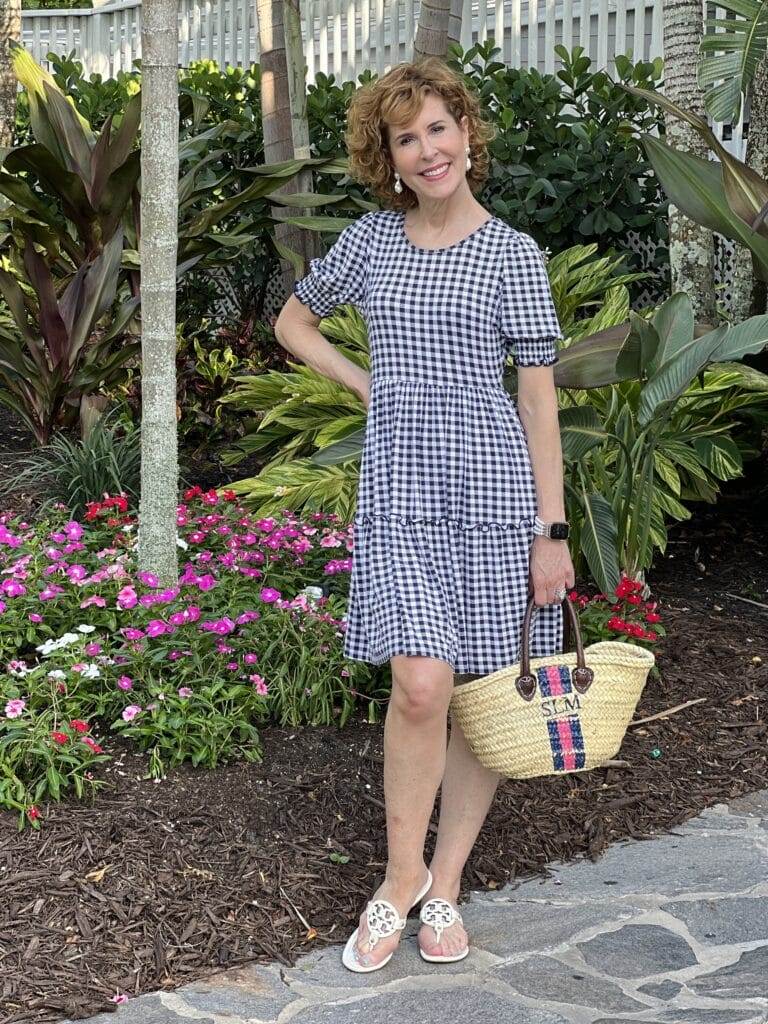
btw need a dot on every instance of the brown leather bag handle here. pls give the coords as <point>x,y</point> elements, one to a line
<point>582,675</point>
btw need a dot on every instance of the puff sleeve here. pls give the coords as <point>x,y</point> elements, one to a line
<point>529,324</point>
<point>341,275</point>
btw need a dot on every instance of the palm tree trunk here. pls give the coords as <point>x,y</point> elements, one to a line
<point>10,29</point>
<point>284,118</point>
<point>756,157</point>
<point>158,252</point>
<point>435,24</point>
<point>691,247</point>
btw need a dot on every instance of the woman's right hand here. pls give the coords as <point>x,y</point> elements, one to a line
<point>365,393</point>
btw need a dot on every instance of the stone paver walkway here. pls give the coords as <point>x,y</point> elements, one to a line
<point>670,929</point>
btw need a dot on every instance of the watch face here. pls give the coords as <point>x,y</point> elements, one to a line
<point>559,531</point>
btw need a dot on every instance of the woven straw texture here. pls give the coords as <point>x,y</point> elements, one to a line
<point>560,730</point>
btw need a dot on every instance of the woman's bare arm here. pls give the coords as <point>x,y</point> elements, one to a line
<point>296,330</point>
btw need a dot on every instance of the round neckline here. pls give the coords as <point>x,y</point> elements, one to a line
<point>443,248</point>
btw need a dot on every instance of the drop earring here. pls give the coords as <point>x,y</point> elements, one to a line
<point>469,162</point>
<point>398,183</point>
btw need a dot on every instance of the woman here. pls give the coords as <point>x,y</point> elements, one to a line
<point>452,474</point>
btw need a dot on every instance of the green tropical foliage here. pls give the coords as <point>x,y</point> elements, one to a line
<point>69,224</point>
<point>732,47</point>
<point>631,449</point>
<point>723,195</point>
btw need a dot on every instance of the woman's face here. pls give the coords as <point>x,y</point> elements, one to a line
<point>433,140</point>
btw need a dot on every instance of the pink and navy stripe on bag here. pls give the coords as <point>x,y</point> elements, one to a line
<point>565,736</point>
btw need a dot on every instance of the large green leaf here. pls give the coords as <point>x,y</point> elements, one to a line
<point>52,325</point>
<point>732,49</point>
<point>74,144</point>
<point>348,448</point>
<point>696,186</point>
<point>673,323</point>
<point>581,430</point>
<point>99,291</point>
<point>599,541</point>
<point>672,378</point>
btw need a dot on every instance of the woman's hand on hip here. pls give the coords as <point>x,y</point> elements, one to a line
<point>551,569</point>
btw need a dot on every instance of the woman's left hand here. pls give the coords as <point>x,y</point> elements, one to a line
<point>551,569</point>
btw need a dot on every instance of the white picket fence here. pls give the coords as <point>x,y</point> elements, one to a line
<point>344,36</point>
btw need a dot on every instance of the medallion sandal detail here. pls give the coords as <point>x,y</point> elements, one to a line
<point>383,920</point>
<point>440,914</point>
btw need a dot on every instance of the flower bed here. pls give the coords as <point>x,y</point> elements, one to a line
<point>252,634</point>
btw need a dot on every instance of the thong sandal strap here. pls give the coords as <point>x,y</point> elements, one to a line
<point>439,914</point>
<point>383,920</point>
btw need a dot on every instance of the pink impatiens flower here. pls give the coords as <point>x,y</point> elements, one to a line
<point>127,598</point>
<point>125,683</point>
<point>261,687</point>
<point>269,594</point>
<point>15,707</point>
<point>73,531</point>
<point>130,712</point>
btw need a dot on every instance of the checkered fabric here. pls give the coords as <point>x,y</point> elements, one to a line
<point>444,519</point>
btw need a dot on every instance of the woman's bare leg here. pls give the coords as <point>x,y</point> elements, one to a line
<point>465,797</point>
<point>415,731</point>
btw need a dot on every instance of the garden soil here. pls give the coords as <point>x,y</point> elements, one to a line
<point>157,884</point>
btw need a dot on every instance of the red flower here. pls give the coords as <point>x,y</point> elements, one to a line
<point>33,813</point>
<point>93,745</point>
<point>78,725</point>
<point>193,492</point>
<point>652,617</point>
<point>59,737</point>
<point>634,599</point>
<point>229,496</point>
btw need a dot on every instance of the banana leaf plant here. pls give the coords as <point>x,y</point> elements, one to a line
<point>623,457</point>
<point>724,195</point>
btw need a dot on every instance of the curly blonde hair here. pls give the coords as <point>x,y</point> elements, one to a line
<point>396,99</point>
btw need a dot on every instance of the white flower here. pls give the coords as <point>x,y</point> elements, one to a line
<point>127,528</point>
<point>56,673</point>
<point>87,629</point>
<point>48,647</point>
<point>68,638</point>
<point>182,543</point>
<point>91,672</point>
<point>279,491</point>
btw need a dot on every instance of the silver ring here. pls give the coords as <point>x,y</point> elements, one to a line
<point>560,594</point>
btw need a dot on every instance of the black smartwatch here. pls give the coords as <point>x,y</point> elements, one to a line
<point>555,531</point>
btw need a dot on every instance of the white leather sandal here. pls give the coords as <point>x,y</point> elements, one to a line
<point>439,914</point>
<point>383,920</point>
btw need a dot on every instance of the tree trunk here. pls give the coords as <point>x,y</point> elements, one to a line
<point>10,29</point>
<point>284,118</point>
<point>751,293</point>
<point>435,24</point>
<point>691,247</point>
<point>158,253</point>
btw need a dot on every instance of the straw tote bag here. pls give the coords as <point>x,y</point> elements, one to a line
<point>556,714</point>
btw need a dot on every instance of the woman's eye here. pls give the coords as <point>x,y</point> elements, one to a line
<point>437,128</point>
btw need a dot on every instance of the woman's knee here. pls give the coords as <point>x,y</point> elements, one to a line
<point>421,687</point>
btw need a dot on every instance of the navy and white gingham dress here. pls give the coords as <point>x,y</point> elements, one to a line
<point>444,519</point>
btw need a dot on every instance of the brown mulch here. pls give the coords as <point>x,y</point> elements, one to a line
<point>160,884</point>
